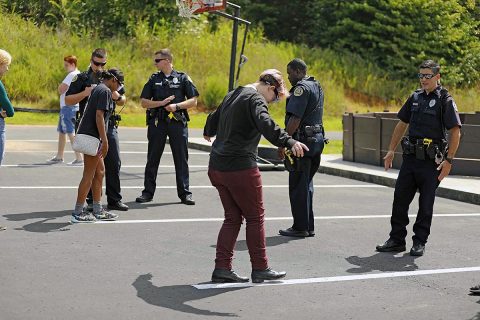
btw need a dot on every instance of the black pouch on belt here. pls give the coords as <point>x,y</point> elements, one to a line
<point>420,151</point>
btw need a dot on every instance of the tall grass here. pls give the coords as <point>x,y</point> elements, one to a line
<point>350,84</point>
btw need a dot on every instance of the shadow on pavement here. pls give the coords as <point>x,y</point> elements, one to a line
<point>176,297</point>
<point>475,317</point>
<point>43,225</point>
<point>274,241</point>
<point>135,205</point>
<point>382,261</point>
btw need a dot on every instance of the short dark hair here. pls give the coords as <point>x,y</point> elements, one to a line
<point>99,53</point>
<point>166,53</point>
<point>430,64</point>
<point>113,73</point>
<point>298,65</point>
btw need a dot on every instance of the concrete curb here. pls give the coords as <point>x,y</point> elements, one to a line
<point>464,196</point>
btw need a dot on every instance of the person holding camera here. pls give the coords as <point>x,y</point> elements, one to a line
<point>94,123</point>
<point>79,92</point>
<point>166,97</point>
<point>238,124</point>
<point>303,120</point>
<point>427,157</point>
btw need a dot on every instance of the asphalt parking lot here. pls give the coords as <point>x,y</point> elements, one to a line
<point>145,265</point>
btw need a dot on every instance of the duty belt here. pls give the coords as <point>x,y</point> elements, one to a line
<point>425,148</point>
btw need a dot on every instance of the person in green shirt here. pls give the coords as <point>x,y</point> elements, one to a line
<point>6,108</point>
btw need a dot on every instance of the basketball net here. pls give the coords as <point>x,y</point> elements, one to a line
<point>186,8</point>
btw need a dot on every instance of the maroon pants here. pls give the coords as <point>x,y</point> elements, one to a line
<point>241,195</point>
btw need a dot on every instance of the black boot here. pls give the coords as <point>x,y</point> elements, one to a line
<point>258,276</point>
<point>224,275</point>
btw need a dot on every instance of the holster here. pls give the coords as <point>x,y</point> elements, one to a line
<point>292,163</point>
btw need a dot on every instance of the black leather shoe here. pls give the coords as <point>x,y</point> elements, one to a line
<point>258,276</point>
<point>290,232</point>
<point>119,205</point>
<point>188,200</point>
<point>143,198</point>
<point>475,290</point>
<point>311,233</point>
<point>417,250</point>
<point>224,275</point>
<point>391,246</point>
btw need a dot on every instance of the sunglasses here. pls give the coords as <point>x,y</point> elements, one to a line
<point>427,76</point>
<point>99,64</point>
<point>158,60</point>
<point>277,96</point>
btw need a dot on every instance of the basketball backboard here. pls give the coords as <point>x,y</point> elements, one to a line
<point>187,8</point>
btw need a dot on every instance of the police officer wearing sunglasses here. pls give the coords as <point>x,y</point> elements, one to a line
<point>79,92</point>
<point>303,121</point>
<point>166,97</point>
<point>428,153</point>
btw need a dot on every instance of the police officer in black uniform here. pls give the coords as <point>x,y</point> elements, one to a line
<point>78,92</point>
<point>167,95</point>
<point>303,120</point>
<point>427,156</point>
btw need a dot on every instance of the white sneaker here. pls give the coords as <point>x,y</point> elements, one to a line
<point>55,160</point>
<point>76,163</point>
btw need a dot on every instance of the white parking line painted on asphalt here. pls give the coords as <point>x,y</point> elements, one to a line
<point>379,216</point>
<point>337,278</point>
<point>56,165</point>
<point>121,152</point>
<point>55,141</point>
<point>201,187</point>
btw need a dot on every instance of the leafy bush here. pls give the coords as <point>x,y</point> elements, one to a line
<point>215,89</point>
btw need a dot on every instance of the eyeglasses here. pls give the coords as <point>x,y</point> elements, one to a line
<point>158,60</point>
<point>98,64</point>
<point>427,76</point>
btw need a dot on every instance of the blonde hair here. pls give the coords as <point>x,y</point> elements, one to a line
<point>5,57</point>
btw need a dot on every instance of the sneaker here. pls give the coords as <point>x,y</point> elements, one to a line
<point>83,217</point>
<point>3,228</point>
<point>76,163</point>
<point>55,160</point>
<point>105,215</point>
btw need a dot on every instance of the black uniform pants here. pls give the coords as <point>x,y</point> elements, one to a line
<point>112,168</point>
<point>300,184</point>
<point>421,175</point>
<point>157,137</point>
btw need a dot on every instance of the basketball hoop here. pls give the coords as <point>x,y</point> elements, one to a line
<point>188,8</point>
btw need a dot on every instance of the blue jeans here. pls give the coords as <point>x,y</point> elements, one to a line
<point>2,139</point>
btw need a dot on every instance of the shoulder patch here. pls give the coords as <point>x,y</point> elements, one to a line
<point>75,78</point>
<point>298,91</point>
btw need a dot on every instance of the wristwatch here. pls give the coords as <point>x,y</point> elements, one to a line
<point>449,160</point>
<point>177,107</point>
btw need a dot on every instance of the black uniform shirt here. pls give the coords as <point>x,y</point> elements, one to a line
<point>160,87</point>
<point>425,113</point>
<point>238,125</point>
<point>100,99</point>
<point>79,83</point>
<point>305,96</point>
